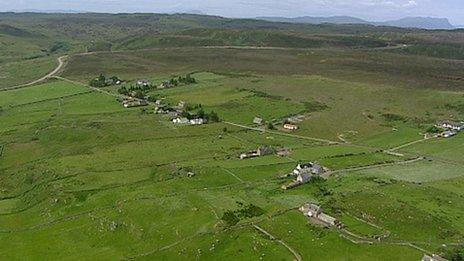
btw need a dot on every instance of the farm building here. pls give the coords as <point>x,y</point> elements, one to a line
<point>310,210</point>
<point>180,121</point>
<point>134,103</point>
<point>303,178</point>
<point>296,119</point>
<point>449,134</point>
<point>198,121</point>
<point>165,85</point>
<point>314,211</point>
<point>290,127</point>
<point>451,125</point>
<point>143,83</point>
<point>308,168</point>
<point>258,121</point>
<point>261,151</point>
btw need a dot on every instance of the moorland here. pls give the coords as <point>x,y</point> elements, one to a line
<point>83,177</point>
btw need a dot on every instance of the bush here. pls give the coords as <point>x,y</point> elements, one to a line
<point>433,129</point>
<point>454,254</point>
<point>230,218</point>
<point>393,117</point>
<point>250,211</point>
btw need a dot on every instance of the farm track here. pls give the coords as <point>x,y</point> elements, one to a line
<point>62,59</point>
<point>328,174</point>
<point>280,241</point>
<point>61,64</point>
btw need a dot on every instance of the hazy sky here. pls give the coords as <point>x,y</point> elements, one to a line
<point>375,10</point>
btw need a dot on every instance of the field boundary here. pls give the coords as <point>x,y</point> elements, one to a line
<point>293,251</point>
<point>50,99</point>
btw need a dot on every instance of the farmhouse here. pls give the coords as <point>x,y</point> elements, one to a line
<point>308,168</point>
<point>314,212</point>
<point>134,103</point>
<point>165,85</point>
<point>261,151</point>
<point>296,119</point>
<point>451,125</point>
<point>180,121</point>
<point>183,120</point>
<point>198,121</point>
<point>303,178</point>
<point>258,121</point>
<point>290,126</point>
<point>304,174</point>
<point>449,134</point>
<point>143,83</point>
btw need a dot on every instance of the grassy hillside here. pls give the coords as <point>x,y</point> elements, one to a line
<point>82,177</point>
<point>29,36</point>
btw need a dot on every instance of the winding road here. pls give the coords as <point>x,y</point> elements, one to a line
<point>61,63</point>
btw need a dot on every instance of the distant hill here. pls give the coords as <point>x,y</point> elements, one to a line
<point>421,22</point>
<point>407,22</point>
<point>317,20</point>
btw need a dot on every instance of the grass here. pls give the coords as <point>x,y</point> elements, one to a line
<point>82,176</point>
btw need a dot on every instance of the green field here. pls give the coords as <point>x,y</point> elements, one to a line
<point>82,177</point>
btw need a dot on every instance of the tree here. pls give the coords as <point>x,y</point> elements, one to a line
<point>139,94</point>
<point>201,114</point>
<point>213,117</point>
<point>230,218</point>
<point>270,126</point>
<point>100,81</point>
<point>123,90</point>
<point>433,129</point>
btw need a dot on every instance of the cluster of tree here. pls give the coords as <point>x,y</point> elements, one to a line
<point>102,81</point>
<point>210,117</point>
<point>232,217</point>
<point>433,129</point>
<point>188,79</point>
<point>135,91</point>
<point>455,253</point>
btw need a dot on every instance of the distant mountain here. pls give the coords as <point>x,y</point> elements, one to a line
<point>407,22</point>
<point>51,11</point>
<point>317,20</point>
<point>421,22</point>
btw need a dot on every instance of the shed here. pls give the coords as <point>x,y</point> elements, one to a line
<point>258,121</point>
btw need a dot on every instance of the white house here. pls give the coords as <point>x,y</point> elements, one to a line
<point>290,127</point>
<point>180,121</point>
<point>303,178</point>
<point>198,121</point>
<point>449,134</point>
<point>457,126</point>
<point>258,121</point>
<point>143,83</point>
<point>310,167</point>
